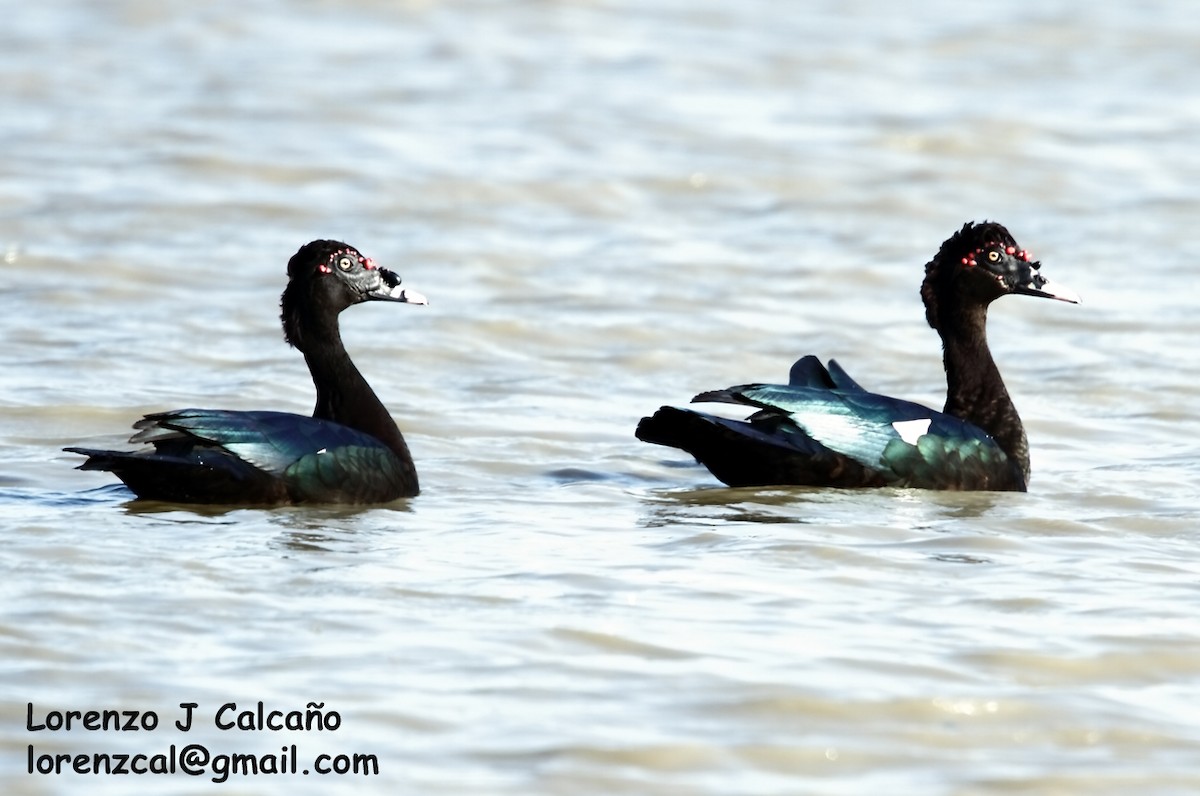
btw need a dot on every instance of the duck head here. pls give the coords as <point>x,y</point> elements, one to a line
<point>327,276</point>
<point>979,264</point>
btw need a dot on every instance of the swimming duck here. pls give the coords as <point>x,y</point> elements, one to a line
<point>823,429</point>
<point>349,451</point>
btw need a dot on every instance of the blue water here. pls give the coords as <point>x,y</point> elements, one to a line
<point>610,206</point>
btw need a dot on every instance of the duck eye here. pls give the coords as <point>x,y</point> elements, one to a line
<point>993,256</point>
<point>345,263</point>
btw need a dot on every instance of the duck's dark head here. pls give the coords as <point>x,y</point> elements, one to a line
<point>327,276</point>
<point>977,265</point>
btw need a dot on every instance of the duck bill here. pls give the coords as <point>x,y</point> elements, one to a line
<point>1037,285</point>
<point>1051,290</point>
<point>390,289</point>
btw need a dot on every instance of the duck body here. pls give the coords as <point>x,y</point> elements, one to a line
<point>349,451</point>
<point>833,434</point>
<point>256,457</point>
<point>823,429</point>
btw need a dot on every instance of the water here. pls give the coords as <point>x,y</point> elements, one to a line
<point>611,206</point>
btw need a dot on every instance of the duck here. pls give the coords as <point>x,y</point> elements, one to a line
<point>350,451</point>
<point>822,429</point>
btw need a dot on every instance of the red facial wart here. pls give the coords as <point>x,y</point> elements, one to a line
<point>1021,254</point>
<point>365,262</point>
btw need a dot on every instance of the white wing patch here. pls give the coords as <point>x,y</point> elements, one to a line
<point>724,410</point>
<point>912,430</point>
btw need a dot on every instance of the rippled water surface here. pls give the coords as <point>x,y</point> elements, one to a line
<point>611,206</point>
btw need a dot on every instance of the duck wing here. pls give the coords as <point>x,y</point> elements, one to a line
<point>824,429</point>
<point>809,372</point>
<point>219,456</point>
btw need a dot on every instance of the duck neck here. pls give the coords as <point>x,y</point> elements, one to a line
<point>343,395</point>
<point>975,392</point>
